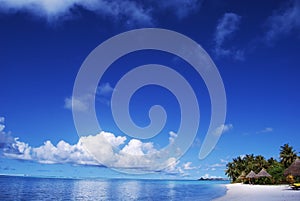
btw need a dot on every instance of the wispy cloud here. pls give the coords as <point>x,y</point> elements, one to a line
<point>217,166</point>
<point>77,103</point>
<point>284,21</point>
<point>181,8</point>
<point>134,12</point>
<point>81,103</point>
<point>265,130</point>
<point>226,28</point>
<point>222,129</point>
<point>188,166</point>
<point>104,92</point>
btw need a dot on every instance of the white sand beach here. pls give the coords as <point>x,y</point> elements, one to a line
<point>245,192</point>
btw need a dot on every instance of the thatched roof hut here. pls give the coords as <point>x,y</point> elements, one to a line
<point>263,173</point>
<point>251,175</point>
<point>242,176</point>
<point>294,168</point>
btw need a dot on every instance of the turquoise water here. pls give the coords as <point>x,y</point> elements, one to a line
<point>29,188</point>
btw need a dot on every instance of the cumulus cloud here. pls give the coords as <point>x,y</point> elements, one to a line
<point>284,21</point>
<point>134,12</point>
<point>103,149</point>
<point>225,29</point>
<point>5,138</point>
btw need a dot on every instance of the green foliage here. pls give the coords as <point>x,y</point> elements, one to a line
<point>276,171</point>
<point>241,166</point>
<point>287,155</point>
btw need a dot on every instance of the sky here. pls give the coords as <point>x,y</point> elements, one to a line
<point>254,45</point>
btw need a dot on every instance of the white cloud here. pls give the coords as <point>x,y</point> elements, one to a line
<point>105,89</point>
<point>131,12</point>
<point>265,130</point>
<point>222,129</point>
<point>104,92</point>
<point>5,138</point>
<point>188,166</point>
<point>78,103</point>
<point>57,9</point>
<point>208,176</point>
<point>216,165</point>
<point>225,29</point>
<point>172,137</point>
<point>2,127</point>
<point>103,149</point>
<point>81,103</point>
<point>284,21</point>
<point>2,119</point>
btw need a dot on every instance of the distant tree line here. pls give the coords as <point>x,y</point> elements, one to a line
<point>241,166</point>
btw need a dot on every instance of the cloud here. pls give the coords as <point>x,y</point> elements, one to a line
<point>222,129</point>
<point>188,166</point>
<point>77,103</point>
<point>105,89</point>
<point>2,119</point>
<point>225,29</point>
<point>58,9</point>
<point>265,130</point>
<point>182,8</point>
<point>103,149</point>
<point>284,21</point>
<point>217,166</point>
<point>208,176</point>
<point>104,92</point>
<point>131,12</point>
<point>5,138</point>
<point>81,103</point>
<point>172,137</point>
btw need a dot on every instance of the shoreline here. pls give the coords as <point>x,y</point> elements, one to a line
<point>246,192</point>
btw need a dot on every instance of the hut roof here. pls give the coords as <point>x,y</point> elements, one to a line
<point>294,168</point>
<point>242,176</point>
<point>251,175</point>
<point>263,173</point>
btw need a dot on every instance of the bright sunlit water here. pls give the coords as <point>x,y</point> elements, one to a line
<point>29,188</point>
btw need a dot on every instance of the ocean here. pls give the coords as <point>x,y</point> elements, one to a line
<point>32,188</point>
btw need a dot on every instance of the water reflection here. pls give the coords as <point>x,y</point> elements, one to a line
<point>130,190</point>
<point>91,189</point>
<point>171,192</point>
<point>22,188</point>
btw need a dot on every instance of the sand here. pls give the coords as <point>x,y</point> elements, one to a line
<point>245,192</point>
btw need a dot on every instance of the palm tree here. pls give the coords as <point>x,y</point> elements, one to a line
<point>287,155</point>
<point>271,162</point>
<point>232,171</point>
<point>260,162</point>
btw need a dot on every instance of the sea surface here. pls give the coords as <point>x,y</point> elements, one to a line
<point>31,188</point>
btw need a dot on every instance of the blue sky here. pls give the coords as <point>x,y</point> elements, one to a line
<point>254,44</point>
